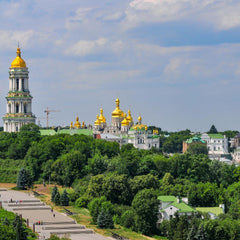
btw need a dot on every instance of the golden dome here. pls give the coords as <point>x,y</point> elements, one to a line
<point>83,124</point>
<point>125,121</point>
<point>129,117</point>
<point>140,126</point>
<point>18,62</point>
<point>117,113</point>
<point>97,122</point>
<point>77,123</point>
<point>71,125</point>
<point>101,118</point>
<point>139,119</point>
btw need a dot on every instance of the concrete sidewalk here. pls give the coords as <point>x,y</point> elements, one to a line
<point>36,211</point>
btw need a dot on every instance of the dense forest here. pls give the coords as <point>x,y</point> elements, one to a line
<point>121,185</point>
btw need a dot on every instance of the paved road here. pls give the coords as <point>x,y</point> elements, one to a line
<point>35,211</point>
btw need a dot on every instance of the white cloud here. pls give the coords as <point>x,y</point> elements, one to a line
<point>10,39</point>
<point>220,14</point>
<point>82,47</point>
<point>113,17</point>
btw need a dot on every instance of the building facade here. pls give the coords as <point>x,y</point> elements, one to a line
<point>19,100</point>
<point>217,144</point>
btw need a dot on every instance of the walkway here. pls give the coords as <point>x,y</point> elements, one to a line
<point>51,222</point>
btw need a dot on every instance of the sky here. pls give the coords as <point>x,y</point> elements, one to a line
<point>175,62</point>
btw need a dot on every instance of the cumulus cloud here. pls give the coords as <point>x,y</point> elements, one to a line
<point>83,47</point>
<point>10,39</point>
<point>220,14</point>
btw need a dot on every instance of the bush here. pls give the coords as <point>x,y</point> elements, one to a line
<point>127,219</point>
<point>82,202</point>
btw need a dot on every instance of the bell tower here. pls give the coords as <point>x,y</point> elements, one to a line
<point>19,100</point>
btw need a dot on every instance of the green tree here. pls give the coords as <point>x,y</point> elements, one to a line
<point>98,164</point>
<point>145,181</point>
<point>69,167</point>
<point>23,179</point>
<point>213,129</point>
<point>105,219</point>
<point>145,205</point>
<point>97,205</point>
<point>57,198</point>
<point>127,219</point>
<point>21,233</point>
<point>116,188</point>
<point>64,199</point>
<point>197,148</point>
<point>54,191</point>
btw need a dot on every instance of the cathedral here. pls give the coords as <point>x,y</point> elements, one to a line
<point>123,130</point>
<point>19,100</point>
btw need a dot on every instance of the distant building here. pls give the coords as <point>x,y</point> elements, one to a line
<point>193,140</point>
<point>169,205</point>
<point>217,144</point>
<point>235,143</point>
<point>236,155</point>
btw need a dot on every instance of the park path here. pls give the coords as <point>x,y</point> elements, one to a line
<point>51,222</point>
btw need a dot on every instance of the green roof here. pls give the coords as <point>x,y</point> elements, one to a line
<point>215,135</point>
<point>195,139</point>
<point>88,132</point>
<point>47,132</point>
<point>182,206</point>
<point>214,210</point>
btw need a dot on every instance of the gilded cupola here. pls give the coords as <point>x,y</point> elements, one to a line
<point>77,123</point>
<point>125,121</point>
<point>97,122</point>
<point>117,113</point>
<point>101,118</point>
<point>18,62</point>
<point>129,117</point>
<point>71,125</point>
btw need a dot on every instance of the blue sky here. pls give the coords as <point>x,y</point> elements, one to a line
<point>175,62</point>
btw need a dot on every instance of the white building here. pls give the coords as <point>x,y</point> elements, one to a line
<point>217,144</point>
<point>19,100</point>
<point>169,205</point>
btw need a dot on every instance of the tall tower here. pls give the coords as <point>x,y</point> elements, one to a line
<point>19,100</point>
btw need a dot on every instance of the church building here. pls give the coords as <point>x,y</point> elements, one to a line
<point>123,130</point>
<point>19,100</point>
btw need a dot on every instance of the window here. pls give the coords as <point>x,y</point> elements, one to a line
<point>17,108</point>
<point>23,84</point>
<point>17,83</point>
<point>25,108</point>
